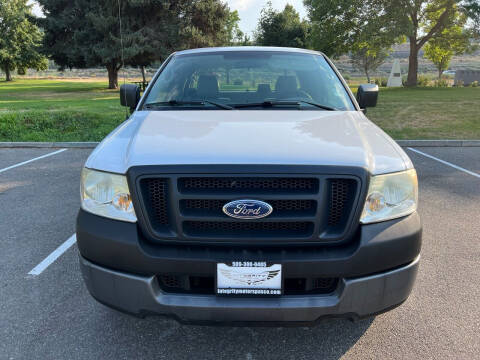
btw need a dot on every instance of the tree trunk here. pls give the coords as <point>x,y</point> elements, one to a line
<point>440,72</point>
<point>8,75</point>
<point>143,74</point>
<point>413,63</point>
<point>368,75</point>
<point>112,76</point>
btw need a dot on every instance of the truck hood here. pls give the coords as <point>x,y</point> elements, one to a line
<point>248,137</point>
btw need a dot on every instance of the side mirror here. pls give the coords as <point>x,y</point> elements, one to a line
<point>129,95</point>
<point>367,95</point>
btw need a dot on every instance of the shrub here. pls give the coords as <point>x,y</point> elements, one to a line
<point>381,82</point>
<point>422,81</point>
<point>474,84</point>
<point>441,83</point>
<point>347,77</point>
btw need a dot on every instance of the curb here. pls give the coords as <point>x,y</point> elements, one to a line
<point>92,144</point>
<point>68,145</point>
<point>438,143</point>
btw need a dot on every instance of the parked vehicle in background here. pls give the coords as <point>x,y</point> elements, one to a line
<point>449,72</point>
<point>249,186</point>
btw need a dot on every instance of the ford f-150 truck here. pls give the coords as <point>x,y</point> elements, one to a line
<point>249,186</point>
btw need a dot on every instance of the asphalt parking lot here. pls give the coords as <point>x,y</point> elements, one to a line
<point>50,315</point>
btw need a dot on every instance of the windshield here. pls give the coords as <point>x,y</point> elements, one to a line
<point>248,79</point>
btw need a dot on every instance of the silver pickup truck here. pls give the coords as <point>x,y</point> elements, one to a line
<point>248,186</point>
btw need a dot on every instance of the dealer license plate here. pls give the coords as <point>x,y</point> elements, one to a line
<point>249,278</point>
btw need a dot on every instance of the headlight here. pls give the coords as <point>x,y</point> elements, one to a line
<point>391,196</point>
<point>106,195</point>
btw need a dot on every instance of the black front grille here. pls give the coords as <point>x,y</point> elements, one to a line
<point>248,229</point>
<point>306,208</point>
<point>171,281</point>
<point>187,284</point>
<point>155,196</point>
<point>303,286</point>
<point>191,284</point>
<point>248,185</point>
<point>341,195</point>
<point>281,207</point>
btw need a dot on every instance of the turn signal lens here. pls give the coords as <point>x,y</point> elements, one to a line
<point>123,202</point>
<point>375,202</point>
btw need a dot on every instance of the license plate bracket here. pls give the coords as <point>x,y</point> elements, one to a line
<point>249,278</point>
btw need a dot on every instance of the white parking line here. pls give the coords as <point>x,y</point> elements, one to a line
<point>31,160</point>
<point>445,162</point>
<point>50,259</point>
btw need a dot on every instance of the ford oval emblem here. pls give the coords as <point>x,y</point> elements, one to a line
<point>247,209</point>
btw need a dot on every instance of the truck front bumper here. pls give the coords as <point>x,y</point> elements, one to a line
<point>354,298</point>
<point>376,272</point>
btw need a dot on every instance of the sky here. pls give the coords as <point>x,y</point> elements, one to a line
<point>36,8</point>
<point>249,10</point>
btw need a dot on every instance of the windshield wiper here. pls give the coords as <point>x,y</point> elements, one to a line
<point>324,107</point>
<point>270,103</point>
<point>180,103</point>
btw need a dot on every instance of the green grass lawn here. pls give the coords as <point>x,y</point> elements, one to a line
<point>58,110</point>
<point>428,113</point>
<point>84,110</point>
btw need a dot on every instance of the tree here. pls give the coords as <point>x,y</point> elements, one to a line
<point>158,33</point>
<point>453,40</point>
<point>246,41</point>
<point>471,8</point>
<point>84,33</point>
<point>199,24</point>
<point>338,25</point>
<point>209,23</point>
<point>367,58</point>
<point>426,20</point>
<point>234,35</point>
<point>20,39</point>
<point>283,28</point>
<point>420,26</point>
